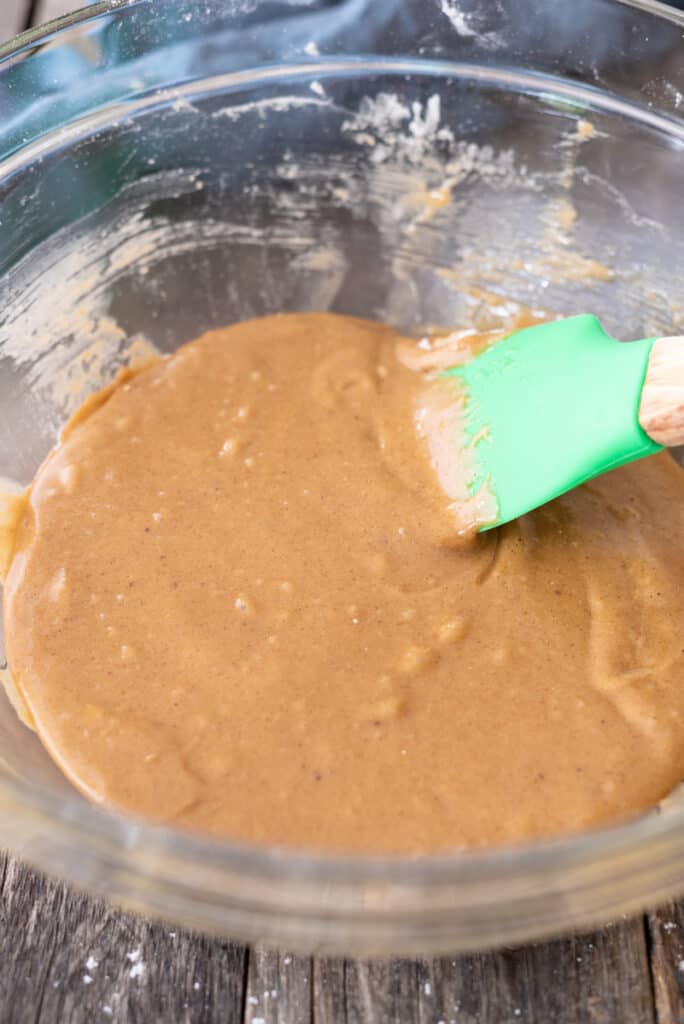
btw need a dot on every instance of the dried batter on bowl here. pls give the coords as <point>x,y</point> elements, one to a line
<point>236,599</point>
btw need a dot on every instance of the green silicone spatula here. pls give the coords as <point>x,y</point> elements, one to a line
<point>554,405</point>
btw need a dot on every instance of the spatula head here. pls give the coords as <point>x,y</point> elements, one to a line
<point>550,407</point>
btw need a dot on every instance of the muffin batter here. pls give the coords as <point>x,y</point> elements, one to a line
<point>242,597</point>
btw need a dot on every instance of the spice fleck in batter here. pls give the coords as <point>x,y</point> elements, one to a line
<point>239,598</point>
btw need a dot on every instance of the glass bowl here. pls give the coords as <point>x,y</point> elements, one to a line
<point>166,168</point>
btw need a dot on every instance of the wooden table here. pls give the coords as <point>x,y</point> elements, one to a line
<point>67,958</point>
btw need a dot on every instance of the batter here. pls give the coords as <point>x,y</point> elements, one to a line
<point>244,596</point>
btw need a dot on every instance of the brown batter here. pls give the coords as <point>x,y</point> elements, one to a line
<point>235,603</point>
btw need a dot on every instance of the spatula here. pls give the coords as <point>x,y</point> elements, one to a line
<point>551,406</point>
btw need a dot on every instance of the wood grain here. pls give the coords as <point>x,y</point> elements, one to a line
<point>279,988</point>
<point>661,410</point>
<point>666,931</point>
<point>12,15</point>
<point>67,958</point>
<point>48,9</point>
<point>602,978</point>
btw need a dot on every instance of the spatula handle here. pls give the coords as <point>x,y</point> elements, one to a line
<point>661,410</point>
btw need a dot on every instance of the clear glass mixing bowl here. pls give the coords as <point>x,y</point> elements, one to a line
<point>166,168</point>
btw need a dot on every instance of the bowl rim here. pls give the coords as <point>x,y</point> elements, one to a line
<point>41,33</point>
<point>650,844</point>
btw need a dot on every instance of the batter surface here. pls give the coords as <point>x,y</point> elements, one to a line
<point>237,601</point>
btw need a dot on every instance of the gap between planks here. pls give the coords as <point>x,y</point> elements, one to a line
<point>601,978</point>
<point>65,957</point>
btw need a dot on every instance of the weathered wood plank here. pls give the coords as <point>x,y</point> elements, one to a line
<point>385,990</point>
<point>64,957</point>
<point>278,988</point>
<point>330,992</point>
<point>666,929</point>
<point>601,978</point>
<point>12,15</point>
<point>48,9</point>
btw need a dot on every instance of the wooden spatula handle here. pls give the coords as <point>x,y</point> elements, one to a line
<point>661,410</point>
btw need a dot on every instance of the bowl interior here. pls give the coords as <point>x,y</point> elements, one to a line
<point>418,195</point>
